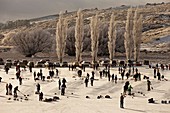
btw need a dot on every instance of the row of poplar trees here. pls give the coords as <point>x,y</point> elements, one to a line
<point>132,41</point>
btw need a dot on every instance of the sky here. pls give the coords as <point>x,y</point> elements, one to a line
<point>26,9</point>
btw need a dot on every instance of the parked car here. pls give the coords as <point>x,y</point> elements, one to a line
<point>30,63</point>
<point>113,63</point>
<point>22,64</point>
<point>15,62</point>
<point>105,63</point>
<point>25,62</point>
<point>56,64</point>
<point>39,64</point>
<point>76,64</point>
<point>49,64</point>
<point>1,61</point>
<point>64,64</point>
<point>122,63</point>
<point>8,63</point>
<point>85,63</point>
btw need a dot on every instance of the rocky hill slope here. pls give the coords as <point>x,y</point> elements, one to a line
<point>156,24</point>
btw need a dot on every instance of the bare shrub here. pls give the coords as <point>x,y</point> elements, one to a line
<point>29,43</point>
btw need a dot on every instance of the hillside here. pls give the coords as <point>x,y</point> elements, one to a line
<point>156,24</point>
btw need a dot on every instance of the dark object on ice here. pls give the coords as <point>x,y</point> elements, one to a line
<point>107,96</point>
<point>36,79</point>
<point>48,100</point>
<point>164,102</point>
<point>55,98</point>
<point>87,97</point>
<point>151,100</point>
<point>48,77</point>
<point>9,98</point>
<point>43,78</point>
<point>36,92</point>
<point>98,97</point>
<point>26,98</point>
<point>41,96</point>
<point>146,62</point>
<point>72,93</point>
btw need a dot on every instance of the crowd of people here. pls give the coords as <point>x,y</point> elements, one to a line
<point>123,71</point>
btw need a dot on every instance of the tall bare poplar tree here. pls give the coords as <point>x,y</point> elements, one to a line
<point>112,36</point>
<point>94,37</point>
<point>61,34</point>
<point>137,31</point>
<point>128,34</point>
<point>79,35</point>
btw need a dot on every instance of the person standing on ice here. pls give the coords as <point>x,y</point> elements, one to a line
<point>86,82</point>
<point>92,79</point>
<point>15,91</point>
<point>100,74</point>
<point>126,86</point>
<point>56,72</point>
<point>10,89</point>
<point>159,75</point>
<point>115,79</point>
<point>109,75</point>
<point>59,84</point>
<point>34,75</point>
<point>38,88</point>
<point>149,85</point>
<point>41,96</point>
<point>20,80</point>
<point>63,89</point>
<point>7,89</point>
<point>154,72</point>
<point>129,89</point>
<point>6,69</point>
<point>122,100</point>
<point>64,81</point>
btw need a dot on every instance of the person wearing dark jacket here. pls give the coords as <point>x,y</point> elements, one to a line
<point>63,89</point>
<point>10,88</point>
<point>38,88</point>
<point>15,91</point>
<point>122,100</point>
<point>86,82</point>
<point>59,84</point>
<point>92,79</point>
<point>40,96</point>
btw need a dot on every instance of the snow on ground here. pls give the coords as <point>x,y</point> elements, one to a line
<point>74,100</point>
